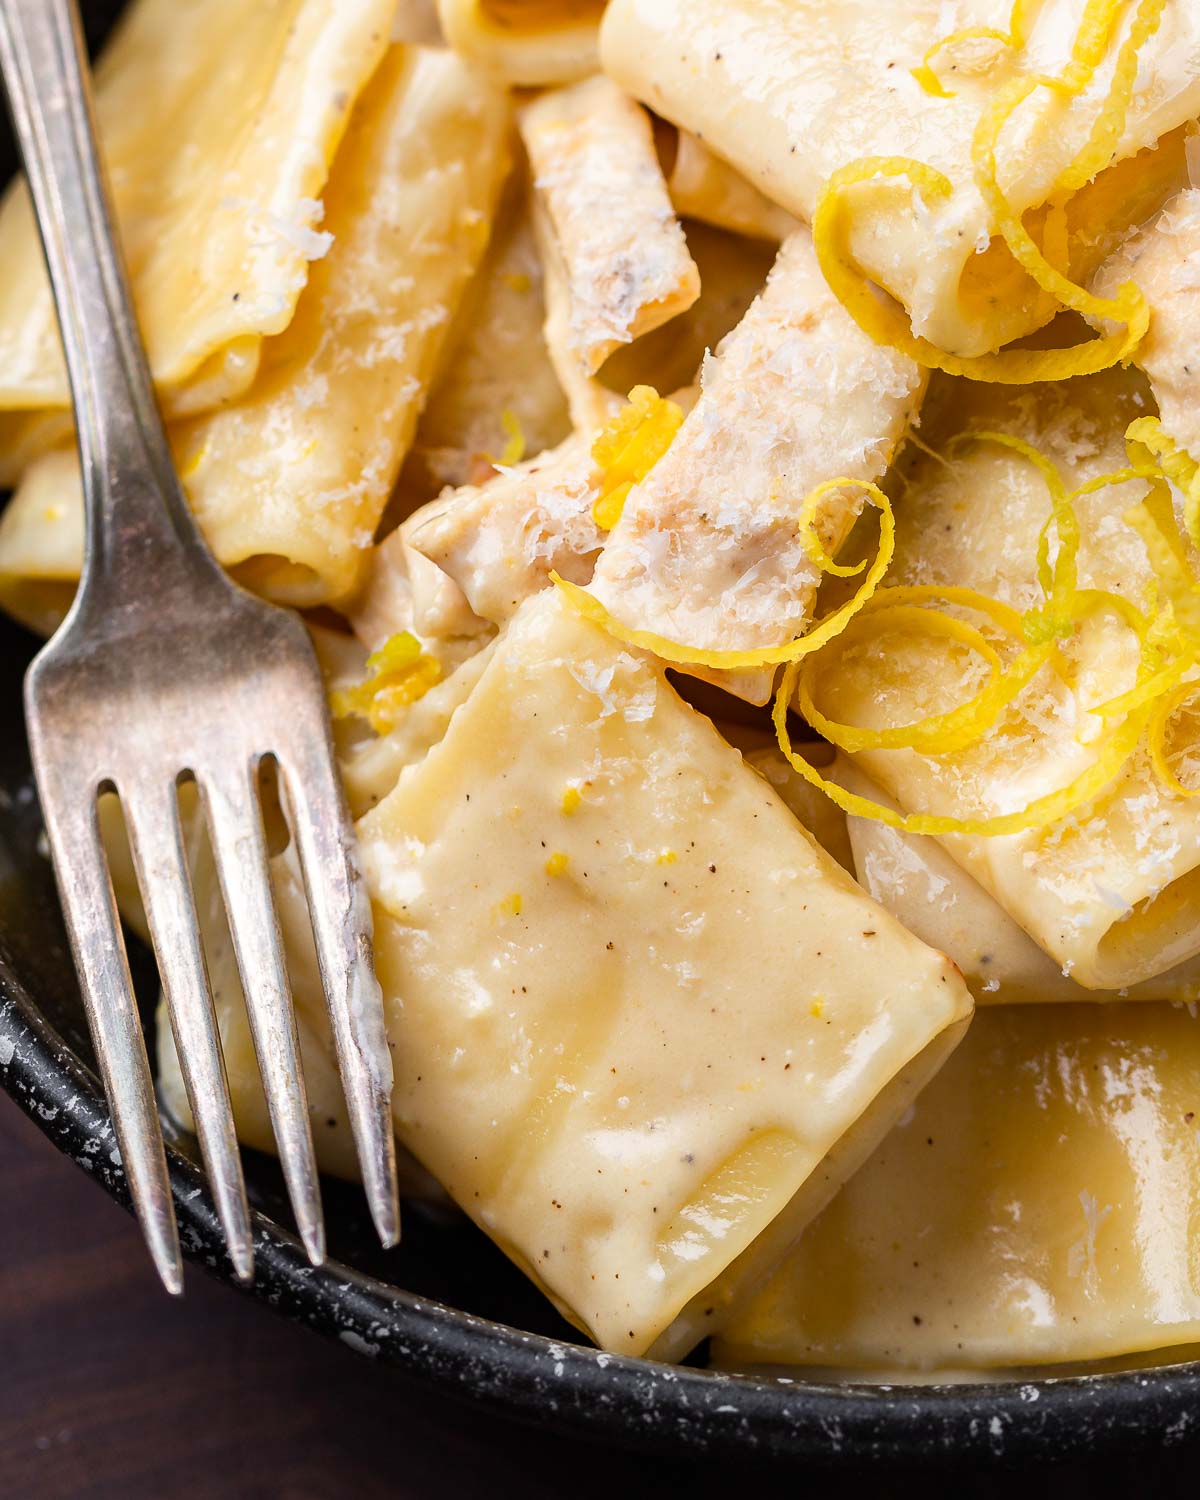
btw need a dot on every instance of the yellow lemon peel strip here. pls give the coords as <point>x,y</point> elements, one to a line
<point>812,542</point>
<point>1128,307</point>
<point>514,446</point>
<point>1168,635</point>
<point>924,71</point>
<point>628,447</point>
<point>1003,615</point>
<point>941,734</point>
<point>1090,602</point>
<point>1091,40</point>
<point>936,734</point>
<point>1086,54</point>
<point>1148,442</point>
<point>1092,37</point>
<point>1148,690</point>
<point>1019,22</point>
<point>1154,521</point>
<point>1036,814</point>
<point>398,674</point>
<point>1055,618</point>
<point>887,323</point>
<point>824,631</point>
<point>1147,708</point>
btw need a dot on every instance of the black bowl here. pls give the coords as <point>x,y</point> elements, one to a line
<point>447,1307</point>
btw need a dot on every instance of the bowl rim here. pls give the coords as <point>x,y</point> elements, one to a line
<point>581,1390</point>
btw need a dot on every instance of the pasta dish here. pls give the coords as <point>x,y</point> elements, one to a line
<point>739,462</point>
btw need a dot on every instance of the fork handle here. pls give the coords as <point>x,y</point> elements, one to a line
<point>138,525</point>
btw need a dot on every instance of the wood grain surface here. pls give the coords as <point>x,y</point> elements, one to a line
<point>110,1389</point>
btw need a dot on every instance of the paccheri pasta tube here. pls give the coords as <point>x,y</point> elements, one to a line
<point>935,898</point>
<point>610,225</point>
<point>704,187</point>
<point>585,820</point>
<point>1038,1206</point>
<point>1105,885</point>
<point>219,123</point>
<point>1164,259</point>
<point>793,92</point>
<point>502,538</point>
<point>288,482</point>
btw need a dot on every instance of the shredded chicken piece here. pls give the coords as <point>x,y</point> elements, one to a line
<point>708,549</point>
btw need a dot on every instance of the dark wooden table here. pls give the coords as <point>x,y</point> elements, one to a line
<point>110,1389</point>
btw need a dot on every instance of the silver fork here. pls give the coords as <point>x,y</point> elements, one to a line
<point>165,671</point>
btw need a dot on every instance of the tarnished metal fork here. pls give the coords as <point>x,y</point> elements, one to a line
<point>165,671</point>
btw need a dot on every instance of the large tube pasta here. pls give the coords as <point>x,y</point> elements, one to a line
<point>704,187</point>
<point>417,21</point>
<point>589,403</point>
<point>404,590</point>
<point>612,228</point>
<point>733,270</point>
<point>288,482</point>
<point>823,819</point>
<point>219,122</point>
<point>371,764</point>
<point>570,890</point>
<point>789,91</point>
<point>1164,260</point>
<point>709,549</point>
<point>525,41</point>
<point>1108,892</point>
<point>935,898</point>
<point>41,542</point>
<point>1039,1205</point>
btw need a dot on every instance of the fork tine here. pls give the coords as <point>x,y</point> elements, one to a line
<point>240,853</point>
<point>341,920</point>
<point>94,930</point>
<point>156,842</point>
